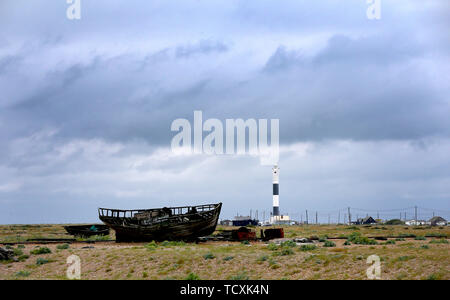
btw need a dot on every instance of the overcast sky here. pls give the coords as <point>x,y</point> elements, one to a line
<point>86,105</point>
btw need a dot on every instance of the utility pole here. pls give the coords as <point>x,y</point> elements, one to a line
<point>378,215</point>
<point>415,214</point>
<point>349,216</point>
<point>250,214</point>
<point>328,219</point>
<point>339,217</point>
<point>316,218</point>
<point>307,220</point>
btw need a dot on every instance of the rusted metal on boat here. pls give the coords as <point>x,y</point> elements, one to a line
<point>272,233</point>
<point>87,230</point>
<point>233,235</point>
<point>167,223</point>
<point>243,234</point>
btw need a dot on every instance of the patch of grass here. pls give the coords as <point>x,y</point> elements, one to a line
<point>425,247</point>
<point>308,247</point>
<point>420,238</point>
<point>436,234</point>
<point>323,238</point>
<point>63,246</point>
<point>209,255</point>
<point>441,241</point>
<point>20,246</point>
<point>245,242</point>
<point>275,266</point>
<point>192,276</point>
<point>22,274</point>
<point>358,239</point>
<point>389,242</point>
<point>263,258</point>
<point>228,258</point>
<point>18,252</point>
<point>173,243</point>
<point>405,258</point>
<point>434,276</point>
<point>40,250</point>
<point>42,261</point>
<point>286,251</point>
<point>151,246</point>
<point>23,257</point>
<point>144,275</point>
<point>289,243</point>
<point>329,244</point>
<point>399,239</point>
<point>352,228</point>
<point>272,247</point>
<point>239,276</point>
<point>407,235</point>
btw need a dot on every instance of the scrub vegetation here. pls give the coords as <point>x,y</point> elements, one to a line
<point>405,253</point>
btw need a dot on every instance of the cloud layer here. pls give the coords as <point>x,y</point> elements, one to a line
<point>86,106</point>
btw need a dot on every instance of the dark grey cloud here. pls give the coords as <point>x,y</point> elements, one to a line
<point>348,90</point>
<point>202,47</point>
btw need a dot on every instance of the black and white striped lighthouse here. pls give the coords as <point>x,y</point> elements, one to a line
<point>276,190</point>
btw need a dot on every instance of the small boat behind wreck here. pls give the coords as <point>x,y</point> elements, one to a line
<point>87,230</point>
<point>168,223</point>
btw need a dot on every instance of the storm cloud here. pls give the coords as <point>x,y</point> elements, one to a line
<point>86,105</point>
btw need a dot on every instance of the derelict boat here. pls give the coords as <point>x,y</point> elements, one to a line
<point>159,224</point>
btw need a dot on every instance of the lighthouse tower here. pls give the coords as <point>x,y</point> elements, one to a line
<point>275,181</point>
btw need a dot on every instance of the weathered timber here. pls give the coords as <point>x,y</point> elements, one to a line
<point>168,223</point>
<point>6,254</point>
<point>87,230</point>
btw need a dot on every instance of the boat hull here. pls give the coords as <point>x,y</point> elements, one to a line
<point>177,227</point>
<point>84,230</point>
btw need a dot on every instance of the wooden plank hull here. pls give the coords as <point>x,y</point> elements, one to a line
<point>84,230</point>
<point>185,226</point>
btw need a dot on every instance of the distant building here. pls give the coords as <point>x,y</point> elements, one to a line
<point>244,221</point>
<point>365,221</point>
<point>416,222</point>
<point>226,223</point>
<point>280,220</point>
<point>437,221</point>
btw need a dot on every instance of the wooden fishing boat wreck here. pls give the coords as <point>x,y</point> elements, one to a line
<point>167,223</point>
<point>87,230</point>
